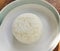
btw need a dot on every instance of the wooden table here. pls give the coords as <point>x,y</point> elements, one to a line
<point>55,3</point>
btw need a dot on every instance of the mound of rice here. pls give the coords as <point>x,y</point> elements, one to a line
<point>27,28</point>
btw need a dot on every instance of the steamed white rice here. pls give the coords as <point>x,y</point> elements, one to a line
<point>27,28</point>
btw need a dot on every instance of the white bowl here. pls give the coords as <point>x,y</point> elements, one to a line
<point>49,17</point>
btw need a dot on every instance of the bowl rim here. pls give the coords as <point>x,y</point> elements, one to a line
<point>12,5</point>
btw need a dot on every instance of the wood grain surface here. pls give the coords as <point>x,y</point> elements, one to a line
<point>55,3</point>
<point>3,3</point>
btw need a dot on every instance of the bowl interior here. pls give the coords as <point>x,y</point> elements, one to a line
<point>47,14</point>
